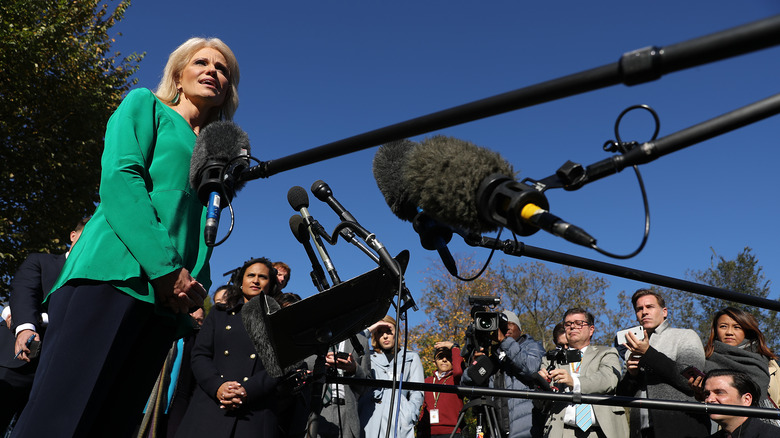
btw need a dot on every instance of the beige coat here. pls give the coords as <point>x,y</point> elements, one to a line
<point>774,381</point>
<point>599,374</point>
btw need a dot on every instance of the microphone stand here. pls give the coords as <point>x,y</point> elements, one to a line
<point>635,67</point>
<point>519,249</point>
<point>345,227</point>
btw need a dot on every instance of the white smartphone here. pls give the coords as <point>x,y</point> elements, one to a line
<point>637,331</point>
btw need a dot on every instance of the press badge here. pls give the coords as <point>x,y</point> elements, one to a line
<point>434,416</point>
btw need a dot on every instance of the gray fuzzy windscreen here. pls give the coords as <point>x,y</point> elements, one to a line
<point>254,315</point>
<point>219,141</point>
<point>389,163</point>
<point>443,175</point>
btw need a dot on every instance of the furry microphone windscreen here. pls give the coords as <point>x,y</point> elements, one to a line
<point>219,142</point>
<point>254,315</point>
<point>297,198</point>
<point>442,176</point>
<point>389,163</point>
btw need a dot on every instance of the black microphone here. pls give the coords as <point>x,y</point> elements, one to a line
<point>388,166</point>
<point>471,188</point>
<point>301,234</point>
<point>299,201</point>
<point>218,159</point>
<point>322,191</point>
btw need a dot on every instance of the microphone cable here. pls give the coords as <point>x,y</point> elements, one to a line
<point>222,174</point>
<point>623,147</point>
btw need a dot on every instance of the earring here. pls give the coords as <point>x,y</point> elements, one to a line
<point>175,98</point>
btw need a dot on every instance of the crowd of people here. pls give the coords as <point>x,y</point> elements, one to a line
<point>110,339</point>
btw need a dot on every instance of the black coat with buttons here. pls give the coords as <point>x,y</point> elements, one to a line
<point>223,352</point>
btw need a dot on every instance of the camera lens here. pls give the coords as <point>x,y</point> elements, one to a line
<point>484,323</point>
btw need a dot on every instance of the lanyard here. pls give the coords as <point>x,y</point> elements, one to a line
<point>437,394</point>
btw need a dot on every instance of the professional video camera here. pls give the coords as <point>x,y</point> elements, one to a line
<point>482,336</point>
<point>558,356</point>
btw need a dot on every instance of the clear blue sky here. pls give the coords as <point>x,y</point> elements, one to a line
<point>313,72</point>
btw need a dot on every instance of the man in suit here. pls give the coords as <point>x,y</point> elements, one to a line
<point>339,402</point>
<point>34,278</point>
<point>598,372</point>
<point>653,370</point>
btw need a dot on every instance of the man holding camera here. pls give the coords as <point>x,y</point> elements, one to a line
<point>518,357</point>
<point>654,369</point>
<point>592,370</point>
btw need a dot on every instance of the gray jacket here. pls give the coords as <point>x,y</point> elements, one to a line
<point>671,351</point>
<point>328,424</point>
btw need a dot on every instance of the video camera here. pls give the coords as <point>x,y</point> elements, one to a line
<point>558,356</point>
<point>482,332</point>
<point>482,335</point>
<point>563,356</point>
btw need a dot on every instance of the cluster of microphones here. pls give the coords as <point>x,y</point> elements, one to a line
<point>441,185</point>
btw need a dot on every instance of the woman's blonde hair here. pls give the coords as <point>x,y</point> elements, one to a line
<point>178,60</point>
<point>378,334</point>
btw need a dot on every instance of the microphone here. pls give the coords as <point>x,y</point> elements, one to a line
<point>218,159</point>
<point>301,234</point>
<point>469,187</point>
<point>555,225</point>
<point>388,166</point>
<point>322,191</point>
<point>299,201</point>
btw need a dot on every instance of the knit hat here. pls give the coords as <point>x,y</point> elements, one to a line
<point>512,317</point>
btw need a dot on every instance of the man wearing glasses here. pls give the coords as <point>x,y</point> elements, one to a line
<point>598,372</point>
<point>654,366</point>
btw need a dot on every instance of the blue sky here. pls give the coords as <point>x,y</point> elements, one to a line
<point>317,72</point>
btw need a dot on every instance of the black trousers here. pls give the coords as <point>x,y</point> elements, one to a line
<point>103,352</point>
<point>15,384</point>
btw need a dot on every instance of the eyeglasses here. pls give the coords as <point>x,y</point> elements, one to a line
<point>578,324</point>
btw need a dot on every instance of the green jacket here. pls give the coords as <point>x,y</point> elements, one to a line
<point>149,221</point>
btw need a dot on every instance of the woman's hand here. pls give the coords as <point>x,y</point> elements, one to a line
<point>372,328</point>
<point>178,291</point>
<point>231,395</point>
<point>20,347</point>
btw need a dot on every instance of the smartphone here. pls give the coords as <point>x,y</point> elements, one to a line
<point>637,331</point>
<point>342,355</point>
<point>28,343</point>
<point>692,371</point>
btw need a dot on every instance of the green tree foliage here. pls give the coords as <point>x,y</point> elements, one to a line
<point>536,293</point>
<point>445,302</point>
<point>742,274</point>
<point>540,296</point>
<point>59,84</point>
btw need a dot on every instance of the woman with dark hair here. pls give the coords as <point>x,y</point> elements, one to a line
<point>736,343</point>
<point>374,406</point>
<point>235,394</point>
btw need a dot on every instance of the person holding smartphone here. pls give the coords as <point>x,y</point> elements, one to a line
<point>737,343</point>
<point>339,415</point>
<point>654,368</point>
